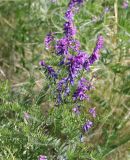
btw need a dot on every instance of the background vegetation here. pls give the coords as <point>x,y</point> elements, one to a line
<point>23,26</point>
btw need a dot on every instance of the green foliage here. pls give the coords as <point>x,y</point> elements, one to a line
<point>56,135</point>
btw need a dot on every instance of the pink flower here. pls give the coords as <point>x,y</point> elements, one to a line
<point>76,110</point>
<point>42,157</point>
<point>92,112</point>
<point>26,116</point>
<point>125,5</point>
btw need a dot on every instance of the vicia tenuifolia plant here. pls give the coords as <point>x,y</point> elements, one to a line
<point>69,76</point>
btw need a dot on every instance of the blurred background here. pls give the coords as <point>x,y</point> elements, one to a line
<point>23,26</point>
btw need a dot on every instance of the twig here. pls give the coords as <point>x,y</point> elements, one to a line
<point>24,83</point>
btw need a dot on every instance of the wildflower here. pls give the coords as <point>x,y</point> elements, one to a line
<point>62,46</point>
<point>80,92</point>
<point>59,98</point>
<point>75,64</point>
<point>61,83</point>
<point>75,45</point>
<point>71,79</point>
<point>92,112</point>
<point>106,9</point>
<point>67,91</point>
<point>42,157</point>
<point>47,41</point>
<point>87,126</point>
<point>85,84</point>
<point>76,110</point>
<point>62,87</point>
<point>49,69</point>
<point>69,29</point>
<point>125,4</point>
<point>69,15</point>
<point>61,62</point>
<point>95,55</point>
<point>26,116</point>
<point>74,2</point>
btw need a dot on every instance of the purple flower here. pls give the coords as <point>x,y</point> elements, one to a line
<point>75,45</point>
<point>87,126</point>
<point>95,55</point>
<point>67,91</point>
<point>53,0</point>
<point>61,62</point>
<point>42,157</point>
<point>42,63</point>
<point>75,64</point>
<point>49,69</point>
<point>69,15</point>
<point>125,4</point>
<point>26,116</point>
<point>59,98</point>
<point>62,46</point>
<point>92,112</point>
<point>69,29</point>
<point>76,110</point>
<point>99,45</point>
<point>80,92</point>
<point>62,83</point>
<point>81,58</point>
<point>48,39</point>
<point>72,58</point>
<point>106,9</point>
<point>85,84</point>
<point>75,2</point>
<point>62,87</point>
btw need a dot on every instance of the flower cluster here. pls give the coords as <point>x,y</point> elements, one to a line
<point>62,86</point>
<point>48,39</point>
<point>69,29</point>
<point>76,64</point>
<point>80,92</point>
<point>74,60</point>
<point>96,53</point>
<point>87,125</point>
<point>62,45</point>
<point>50,71</point>
<point>75,2</point>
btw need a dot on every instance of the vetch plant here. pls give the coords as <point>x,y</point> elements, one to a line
<point>68,79</point>
<point>73,122</point>
<point>73,62</point>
